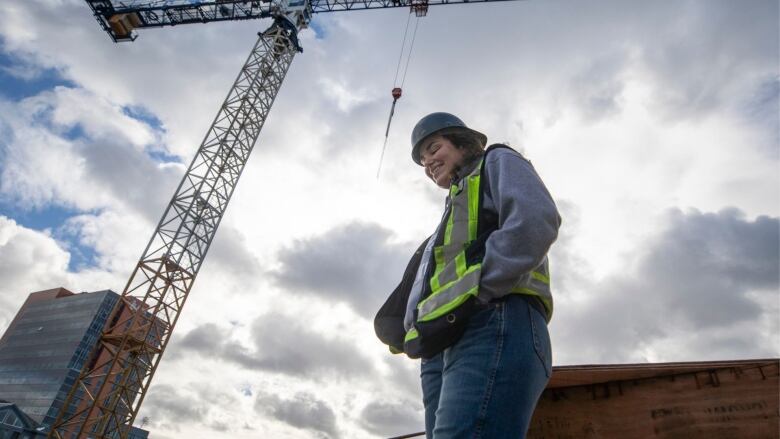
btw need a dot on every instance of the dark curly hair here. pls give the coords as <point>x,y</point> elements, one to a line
<point>467,141</point>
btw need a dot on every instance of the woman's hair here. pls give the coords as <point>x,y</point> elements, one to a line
<point>466,141</point>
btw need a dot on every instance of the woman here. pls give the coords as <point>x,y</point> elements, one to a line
<point>475,299</point>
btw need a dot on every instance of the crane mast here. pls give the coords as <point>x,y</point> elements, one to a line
<point>110,388</point>
<point>106,397</point>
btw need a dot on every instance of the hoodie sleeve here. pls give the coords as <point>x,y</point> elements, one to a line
<point>528,222</point>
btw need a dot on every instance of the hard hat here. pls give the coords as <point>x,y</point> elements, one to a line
<point>436,123</point>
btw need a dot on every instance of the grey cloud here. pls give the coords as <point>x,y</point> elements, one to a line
<point>392,418</point>
<point>570,271</point>
<point>709,50</point>
<point>706,263</point>
<point>120,177</point>
<point>355,263</point>
<point>133,178</point>
<point>596,89</point>
<point>205,337</point>
<point>303,411</point>
<point>405,379</point>
<point>696,283</point>
<point>286,346</point>
<point>281,344</point>
<point>229,250</point>
<point>762,108</point>
<point>82,53</point>
<point>167,405</point>
<point>698,54</point>
<point>220,426</point>
<point>112,165</point>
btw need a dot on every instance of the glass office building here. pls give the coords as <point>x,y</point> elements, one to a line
<point>45,346</point>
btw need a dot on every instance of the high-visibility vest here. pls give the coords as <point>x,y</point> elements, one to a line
<point>454,271</point>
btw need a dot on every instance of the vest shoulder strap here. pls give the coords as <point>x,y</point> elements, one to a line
<point>488,221</point>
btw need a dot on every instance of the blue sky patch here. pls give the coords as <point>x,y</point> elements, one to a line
<point>140,113</point>
<point>319,31</point>
<point>49,217</point>
<point>162,156</point>
<point>74,132</point>
<point>20,79</point>
<point>53,217</point>
<point>81,256</point>
<point>157,153</point>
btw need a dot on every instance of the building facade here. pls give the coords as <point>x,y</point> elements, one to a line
<point>45,347</point>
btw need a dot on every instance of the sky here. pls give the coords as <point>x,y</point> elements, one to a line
<point>655,126</point>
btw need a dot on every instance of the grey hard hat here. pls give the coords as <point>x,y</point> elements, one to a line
<point>438,123</point>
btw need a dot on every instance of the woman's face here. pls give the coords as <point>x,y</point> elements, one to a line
<point>441,159</point>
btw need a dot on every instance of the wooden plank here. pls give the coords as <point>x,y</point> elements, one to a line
<point>719,400</point>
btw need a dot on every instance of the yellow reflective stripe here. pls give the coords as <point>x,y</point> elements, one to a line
<point>411,335</point>
<point>447,274</point>
<point>395,351</point>
<point>448,227</point>
<point>446,294</point>
<point>456,302</point>
<point>548,306</point>
<point>473,206</point>
<point>460,264</point>
<point>460,221</point>
<point>438,257</point>
<point>540,277</point>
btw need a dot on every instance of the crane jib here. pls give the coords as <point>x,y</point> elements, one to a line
<point>120,19</point>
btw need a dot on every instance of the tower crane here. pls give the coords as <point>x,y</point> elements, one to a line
<point>105,399</point>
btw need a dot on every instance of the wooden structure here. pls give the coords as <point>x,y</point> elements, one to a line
<point>698,400</point>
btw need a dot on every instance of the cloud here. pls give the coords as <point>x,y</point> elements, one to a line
<point>633,109</point>
<point>702,61</point>
<point>29,261</point>
<point>68,147</point>
<point>704,287</point>
<point>304,411</point>
<point>205,338</point>
<point>597,88</point>
<point>568,267</point>
<point>231,252</point>
<point>171,407</point>
<point>72,148</point>
<point>762,108</point>
<point>282,344</point>
<point>355,263</point>
<point>707,263</point>
<point>392,418</point>
<point>404,377</point>
<point>200,403</point>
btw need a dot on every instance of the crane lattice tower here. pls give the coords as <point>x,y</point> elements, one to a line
<point>108,393</point>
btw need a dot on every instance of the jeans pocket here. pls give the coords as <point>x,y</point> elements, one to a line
<point>541,338</point>
<point>484,314</point>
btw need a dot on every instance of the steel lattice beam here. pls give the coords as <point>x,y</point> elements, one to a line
<point>119,20</point>
<point>111,386</point>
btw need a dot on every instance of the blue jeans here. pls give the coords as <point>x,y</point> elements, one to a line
<point>487,384</point>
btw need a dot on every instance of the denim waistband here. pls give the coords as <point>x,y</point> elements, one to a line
<point>533,301</point>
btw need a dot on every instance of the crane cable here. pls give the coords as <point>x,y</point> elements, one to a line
<point>397,88</point>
